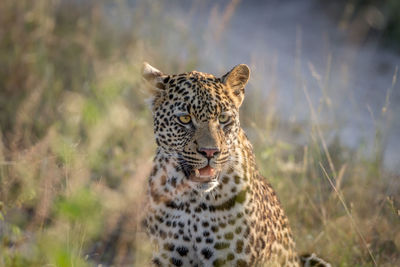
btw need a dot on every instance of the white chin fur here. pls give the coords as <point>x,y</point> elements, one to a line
<point>207,187</point>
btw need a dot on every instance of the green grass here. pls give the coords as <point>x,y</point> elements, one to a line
<point>76,146</point>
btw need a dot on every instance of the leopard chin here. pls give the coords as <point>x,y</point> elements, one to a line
<point>207,187</point>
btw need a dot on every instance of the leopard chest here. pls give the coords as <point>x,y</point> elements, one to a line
<point>202,231</point>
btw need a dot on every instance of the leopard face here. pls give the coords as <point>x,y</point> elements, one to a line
<point>196,120</point>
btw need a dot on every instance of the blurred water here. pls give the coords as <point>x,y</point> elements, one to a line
<point>290,44</point>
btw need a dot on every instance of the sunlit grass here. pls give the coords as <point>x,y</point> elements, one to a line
<point>76,146</point>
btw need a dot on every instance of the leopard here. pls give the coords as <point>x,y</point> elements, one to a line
<point>207,202</point>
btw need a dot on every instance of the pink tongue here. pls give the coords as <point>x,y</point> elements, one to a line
<point>206,171</point>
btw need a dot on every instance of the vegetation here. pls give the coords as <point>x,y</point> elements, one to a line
<point>366,18</point>
<point>75,146</point>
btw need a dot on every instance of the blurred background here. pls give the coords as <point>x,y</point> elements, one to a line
<point>321,108</point>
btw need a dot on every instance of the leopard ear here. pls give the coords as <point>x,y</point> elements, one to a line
<point>154,77</point>
<point>235,81</point>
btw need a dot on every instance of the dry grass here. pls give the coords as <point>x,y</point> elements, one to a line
<point>75,145</point>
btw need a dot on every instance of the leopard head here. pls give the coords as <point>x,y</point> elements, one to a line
<point>196,119</point>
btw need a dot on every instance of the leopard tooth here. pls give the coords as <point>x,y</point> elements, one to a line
<point>197,173</point>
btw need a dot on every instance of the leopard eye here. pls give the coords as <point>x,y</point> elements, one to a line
<point>185,119</point>
<point>223,118</point>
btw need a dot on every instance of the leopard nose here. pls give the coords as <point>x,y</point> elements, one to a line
<point>208,152</point>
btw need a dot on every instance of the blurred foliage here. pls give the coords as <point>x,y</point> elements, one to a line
<point>377,18</point>
<point>390,10</point>
<point>75,146</point>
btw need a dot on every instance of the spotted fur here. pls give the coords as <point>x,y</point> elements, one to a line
<point>234,217</point>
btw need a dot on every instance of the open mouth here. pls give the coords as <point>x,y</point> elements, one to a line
<point>204,175</point>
